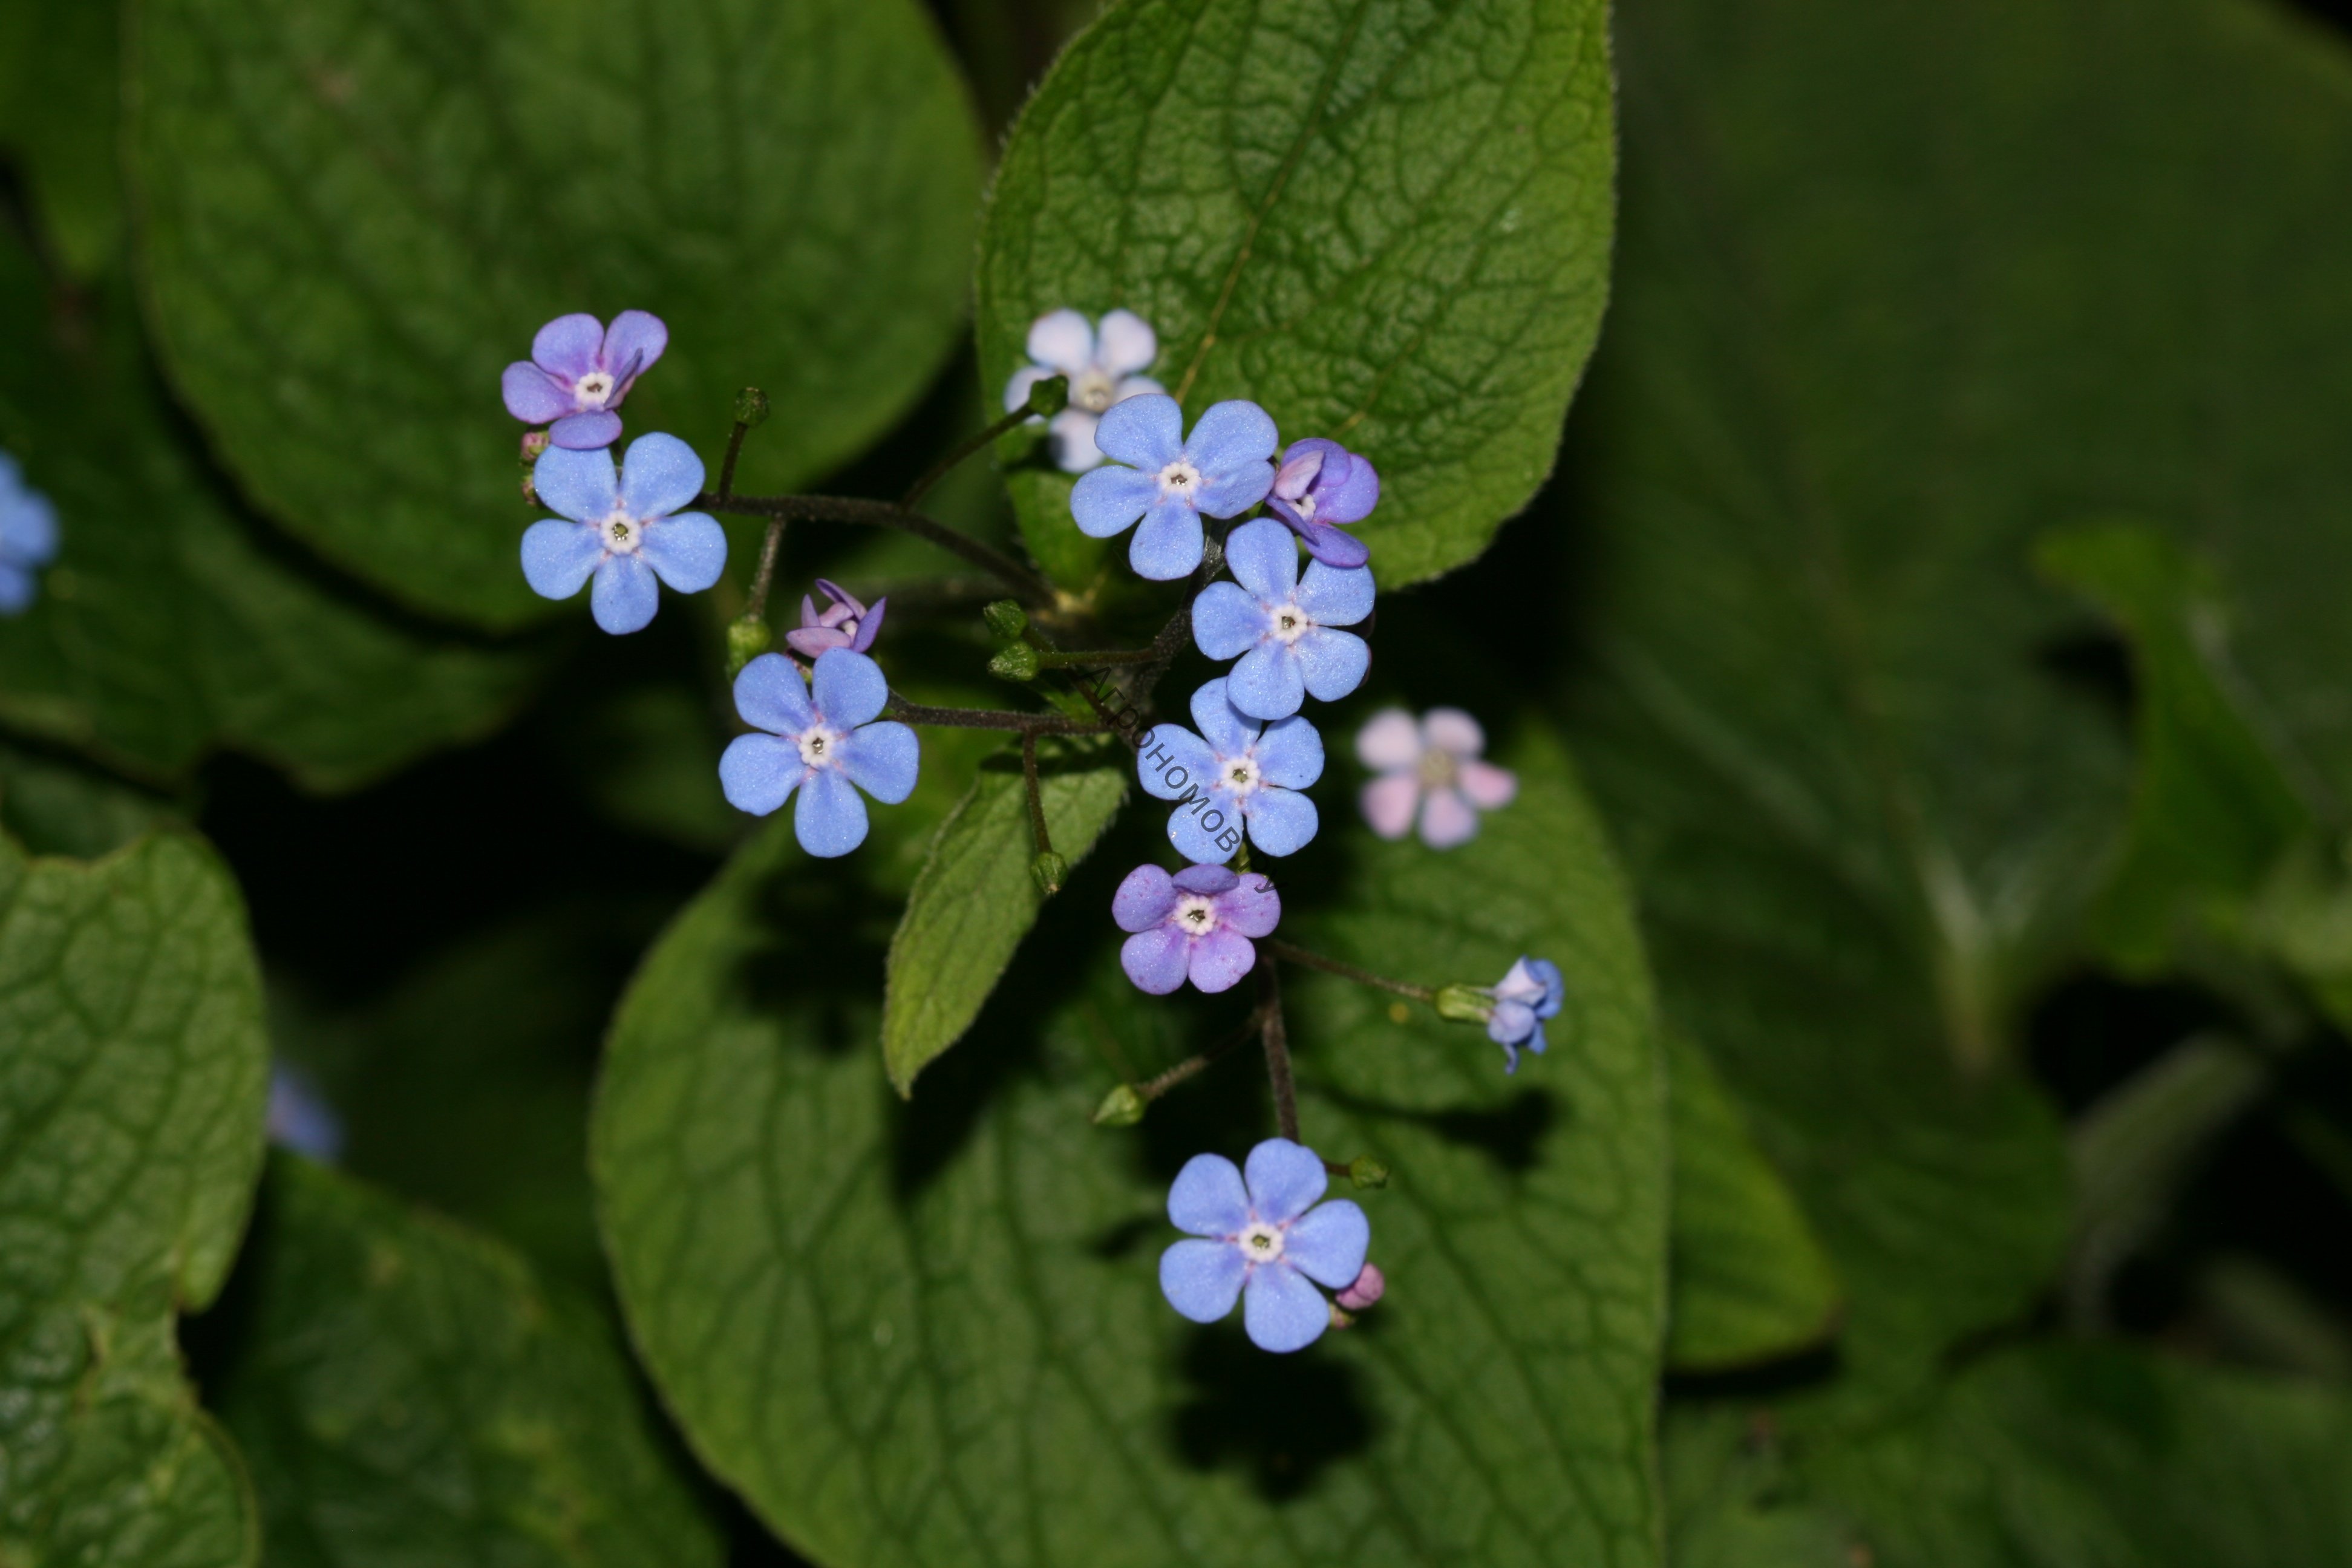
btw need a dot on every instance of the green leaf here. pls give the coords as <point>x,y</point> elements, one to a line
<point>60,84</point>
<point>1387,223</point>
<point>932,1332</point>
<point>2211,812</point>
<point>407,1392</point>
<point>1749,1281</point>
<point>130,1110</point>
<point>54,807</point>
<point>974,899</point>
<point>357,213</point>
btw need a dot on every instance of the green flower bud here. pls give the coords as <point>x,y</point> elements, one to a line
<point>1049,871</point>
<point>534,442</point>
<point>1122,1107</point>
<point>1049,397</point>
<point>1464,1004</point>
<point>750,406</point>
<point>1018,662</point>
<point>1366,1171</point>
<point>747,639</point>
<point>530,491</point>
<point>1005,620</point>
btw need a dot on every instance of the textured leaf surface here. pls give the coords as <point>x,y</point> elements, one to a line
<point>932,1332</point>
<point>974,900</point>
<point>357,213</point>
<point>130,1115</point>
<point>409,1393</point>
<point>1387,222</point>
<point>55,807</point>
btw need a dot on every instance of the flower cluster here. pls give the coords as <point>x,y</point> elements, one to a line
<point>29,538</point>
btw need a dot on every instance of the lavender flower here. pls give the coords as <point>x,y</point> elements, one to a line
<point>1531,993</point>
<point>1224,469</point>
<point>843,623</point>
<point>1236,774</point>
<point>1281,627</point>
<point>1198,923</point>
<point>1433,766</point>
<point>579,371</point>
<point>624,528</point>
<point>820,747</point>
<point>1264,1237</point>
<point>29,538</point>
<point>1104,366</point>
<point>1319,484</point>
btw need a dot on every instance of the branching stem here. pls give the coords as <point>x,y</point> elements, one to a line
<point>992,719</point>
<point>884,514</point>
<point>1299,955</point>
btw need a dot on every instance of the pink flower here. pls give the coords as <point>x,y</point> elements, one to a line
<point>844,623</point>
<point>1432,767</point>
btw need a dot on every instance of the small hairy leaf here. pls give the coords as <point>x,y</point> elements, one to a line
<point>132,1064</point>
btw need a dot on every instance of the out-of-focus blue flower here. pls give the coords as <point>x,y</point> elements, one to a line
<point>822,745</point>
<point>1104,366</point>
<point>1196,924</point>
<point>29,538</point>
<point>579,372</point>
<point>1262,1237</point>
<point>626,530</point>
<point>1282,628</point>
<point>300,1117</point>
<point>1236,774</point>
<point>1222,471</point>
<point>1432,769</point>
<point>1531,993</point>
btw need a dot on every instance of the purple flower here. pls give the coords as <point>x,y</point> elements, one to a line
<point>1524,998</point>
<point>625,530</point>
<point>820,747</point>
<point>844,623</point>
<point>1235,774</point>
<point>1265,1238</point>
<point>29,538</point>
<point>1198,923</point>
<point>1321,483</point>
<point>1105,366</point>
<point>1170,482</point>
<point>1280,627</point>
<point>579,372</point>
<point>1433,766</point>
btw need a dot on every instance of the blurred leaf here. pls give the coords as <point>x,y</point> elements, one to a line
<point>2302,916</point>
<point>61,87</point>
<point>131,1086</point>
<point>1731,1502</point>
<point>54,807</point>
<point>1749,1281</point>
<point>356,214</point>
<point>408,1393</point>
<point>646,757</point>
<point>1389,224</point>
<point>932,1332</point>
<point>974,900</point>
<point>2211,814</point>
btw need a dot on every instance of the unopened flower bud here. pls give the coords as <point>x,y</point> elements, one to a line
<point>530,491</point>
<point>1049,870</point>
<point>1464,1004</point>
<point>534,442</point>
<point>750,406</point>
<point>1005,620</point>
<point>1366,1171</point>
<point>1018,662</point>
<point>1369,1286</point>
<point>747,639</point>
<point>1049,397</point>
<point>1122,1107</point>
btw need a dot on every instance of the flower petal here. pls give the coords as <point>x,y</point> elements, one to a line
<point>1134,386</point>
<point>1281,1311</point>
<point>757,773</point>
<point>688,551</point>
<point>1268,683</point>
<point>634,335</point>
<point>1386,804</point>
<point>587,432</point>
<point>28,529</point>
<point>1447,820</point>
<point>1108,501</point>
<point>1281,821</point>
<point>1072,438</point>
<point>1510,1022</point>
<point>1155,960</point>
<point>1254,907</point>
<point>1226,622</point>
<point>1145,432</point>
<point>567,345</point>
<point>532,395</point>
<point>1263,556</point>
<point>882,759</point>
<point>1169,544</point>
<point>1452,730</point>
<point>1125,344</point>
<point>558,556</point>
<point>1195,828</point>
<point>582,486</point>
<point>869,626</point>
<point>1302,463</point>
<point>1333,662</point>
<point>1201,1279</point>
<point>1228,732</point>
<point>851,688</point>
<point>659,475</point>
<point>1063,340</point>
<point>1334,595</point>
<point>1145,897</point>
<point>830,819</point>
<point>1353,497</point>
<point>1220,958</point>
<point>1230,437</point>
<point>1212,880</point>
<point>1290,753</point>
<point>771,694</point>
<point>16,589</point>
<point>1233,493</point>
<point>1329,1243</point>
<point>1016,389</point>
<point>1172,760</point>
<point>1488,786</point>
<point>624,597</point>
<point>1389,740</point>
<point>1332,546</point>
<point>1208,1197</point>
<point>1283,1180</point>
<point>815,642</point>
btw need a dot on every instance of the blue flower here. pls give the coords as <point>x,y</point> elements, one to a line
<point>1241,773</point>
<point>1524,998</point>
<point>1280,627</point>
<point>624,530</point>
<point>579,371</point>
<point>28,537</point>
<point>820,747</point>
<point>300,1117</point>
<point>1170,482</point>
<point>1265,1237</point>
<point>1104,366</point>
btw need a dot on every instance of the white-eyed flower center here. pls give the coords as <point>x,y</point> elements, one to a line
<point>1092,391</point>
<point>1240,775</point>
<point>1179,479</point>
<point>820,747</point>
<point>591,390</point>
<point>1304,507</point>
<point>621,534</point>
<point>1196,916</point>
<point>1291,623</point>
<point>1259,1242</point>
<point>1437,768</point>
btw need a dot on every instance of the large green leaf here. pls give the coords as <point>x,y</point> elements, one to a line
<point>132,1070</point>
<point>1388,223</point>
<point>55,807</point>
<point>59,87</point>
<point>974,899</point>
<point>356,213</point>
<point>933,1332</point>
<point>406,1391</point>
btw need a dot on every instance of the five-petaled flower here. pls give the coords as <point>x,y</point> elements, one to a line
<point>1196,923</point>
<point>1224,469</point>
<point>1319,484</point>
<point>1106,366</point>
<point>579,371</point>
<point>1235,774</point>
<point>1432,764</point>
<point>1264,1236</point>
<point>626,529</point>
<point>1281,627</point>
<point>844,623</point>
<point>28,537</point>
<point>821,743</point>
<point>1524,998</point>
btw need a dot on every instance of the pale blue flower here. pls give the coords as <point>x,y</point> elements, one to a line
<point>1281,627</point>
<point>626,529</point>
<point>822,745</point>
<point>1263,1237</point>
<point>1106,366</point>
<point>1236,774</point>
<point>1170,482</point>
<point>1531,993</point>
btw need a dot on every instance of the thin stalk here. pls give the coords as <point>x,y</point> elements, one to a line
<point>990,719</point>
<point>883,514</point>
<point>957,454</point>
<point>1290,955</point>
<point>757,608</point>
<point>1036,792</point>
<point>727,463</point>
<point>1277,1051</point>
<point>1199,1062</point>
<point>1094,658</point>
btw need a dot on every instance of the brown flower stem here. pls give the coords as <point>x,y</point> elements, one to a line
<point>1290,955</point>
